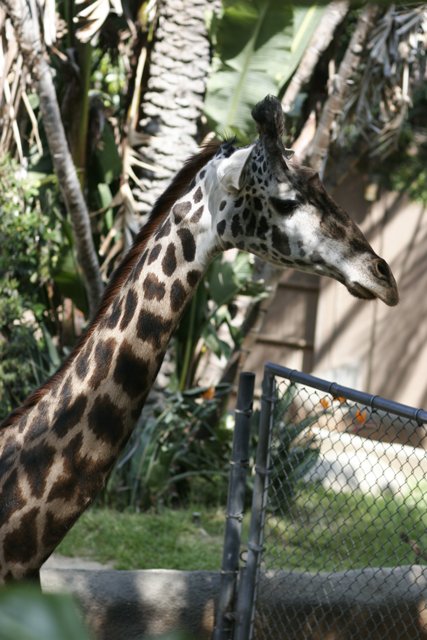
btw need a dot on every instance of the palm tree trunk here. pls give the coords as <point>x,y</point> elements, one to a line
<point>25,19</point>
<point>173,101</point>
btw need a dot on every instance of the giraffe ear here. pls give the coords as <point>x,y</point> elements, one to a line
<point>230,171</point>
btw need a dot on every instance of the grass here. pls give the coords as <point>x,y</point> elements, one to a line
<point>323,531</point>
<point>168,540</point>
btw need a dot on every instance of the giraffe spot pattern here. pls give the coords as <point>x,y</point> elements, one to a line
<point>169,260</point>
<point>55,529</point>
<point>236,227</point>
<point>8,457</point>
<point>197,215</point>
<point>177,295</point>
<point>130,306</point>
<point>106,420</point>
<point>151,327</point>
<point>180,210</point>
<point>38,428</point>
<point>139,267</point>
<point>11,498</point>
<point>193,277</point>
<point>164,230</point>
<point>188,244</point>
<point>154,253</point>
<point>20,545</point>
<point>37,463</point>
<point>220,227</point>
<point>68,415</point>
<point>198,195</point>
<point>131,372</point>
<point>262,227</point>
<point>280,241</point>
<point>114,317</point>
<point>82,363</point>
<point>104,351</point>
<point>153,288</point>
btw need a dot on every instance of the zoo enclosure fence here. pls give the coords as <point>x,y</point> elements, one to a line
<point>339,515</point>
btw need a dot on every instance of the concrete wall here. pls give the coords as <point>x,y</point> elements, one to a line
<point>365,604</point>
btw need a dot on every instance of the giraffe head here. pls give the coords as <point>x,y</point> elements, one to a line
<point>281,212</point>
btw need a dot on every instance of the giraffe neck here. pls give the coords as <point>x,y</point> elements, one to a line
<point>63,447</point>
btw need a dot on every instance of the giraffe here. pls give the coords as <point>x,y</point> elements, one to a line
<point>58,448</point>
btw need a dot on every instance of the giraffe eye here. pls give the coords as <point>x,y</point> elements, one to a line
<point>286,207</point>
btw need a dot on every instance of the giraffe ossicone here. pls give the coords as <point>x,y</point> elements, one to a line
<point>58,448</point>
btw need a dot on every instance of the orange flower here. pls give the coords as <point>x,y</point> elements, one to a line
<point>325,403</point>
<point>361,416</point>
<point>340,399</point>
<point>209,394</point>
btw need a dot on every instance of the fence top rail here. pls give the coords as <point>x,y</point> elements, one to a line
<point>337,390</point>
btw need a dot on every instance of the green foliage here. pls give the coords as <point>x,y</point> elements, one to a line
<point>27,614</point>
<point>30,245</point>
<point>169,538</point>
<point>257,48</point>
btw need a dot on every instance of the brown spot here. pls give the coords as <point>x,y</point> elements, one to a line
<point>112,320</point>
<point>37,463</point>
<point>153,288</point>
<point>139,266</point>
<point>64,488</point>
<point>82,363</point>
<point>197,215</point>
<point>180,210</point>
<point>20,545</point>
<point>56,528</point>
<point>169,260</point>
<point>38,428</point>
<point>164,230</point>
<point>236,227</point>
<point>68,415</point>
<point>188,244</point>
<point>8,456</point>
<point>154,253</point>
<point>193,277</point>
<point>130,306</point>
<point>106,420</point>
<point>131,372</point>
<point>177,295</point>
<point>104,351</point>
<point>198,195</point>
<point>280,241</point>
<point>151,327</point>
<point>11,498</point>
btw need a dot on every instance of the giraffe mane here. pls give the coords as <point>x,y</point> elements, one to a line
<point>162,206</point>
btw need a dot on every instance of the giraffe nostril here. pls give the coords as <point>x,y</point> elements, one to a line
<point>382,269</point>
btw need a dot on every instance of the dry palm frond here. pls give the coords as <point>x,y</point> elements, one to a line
<point>93,15</point>
<point>394,65</point>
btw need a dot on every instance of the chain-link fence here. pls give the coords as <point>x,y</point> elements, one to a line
<point>338,537</point>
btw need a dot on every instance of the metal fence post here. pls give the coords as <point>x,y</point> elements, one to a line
<point>235,506</point>
<point>248,578</point>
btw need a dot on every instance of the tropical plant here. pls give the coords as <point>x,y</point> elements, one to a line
<point>31,245</point>
<point>174,456</point>
<point>294,451</point>
<point>258,46</point>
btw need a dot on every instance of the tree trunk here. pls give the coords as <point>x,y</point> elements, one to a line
<point>333,106</point>
<point>173,101</point>
<point>320,41</point>
<point>25,19</point>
